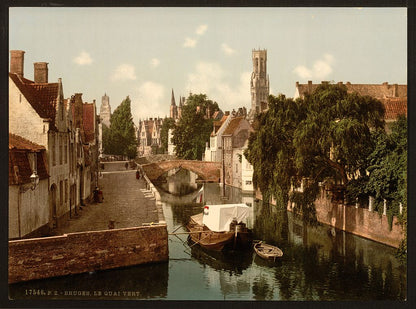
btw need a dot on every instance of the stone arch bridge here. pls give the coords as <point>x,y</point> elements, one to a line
<point>206,171</point>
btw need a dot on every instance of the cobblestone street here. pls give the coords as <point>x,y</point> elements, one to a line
<point>126,201</point>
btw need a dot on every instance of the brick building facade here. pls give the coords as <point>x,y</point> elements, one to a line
<point>39,114</point>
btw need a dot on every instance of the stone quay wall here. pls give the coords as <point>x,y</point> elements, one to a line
<point>356,220</point>
<point>73,253</point>
<point>359,221</point>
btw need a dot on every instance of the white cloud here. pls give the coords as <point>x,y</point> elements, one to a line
<point>189,43</point>
<point>148,101</point>
<point>303,72</point>
<point>227,49</point>
<point>124,72</point>
<point>321,68</point>
<point>211,79</point>
<point>200,30</point>
<point>154,62</point>
<point>83,58</point>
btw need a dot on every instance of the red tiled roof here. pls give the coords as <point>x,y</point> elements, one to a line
<point>19,166</point>
<point>378,91</point>
<point>42,96</point>
<point>20,143</point>
<point>88,121</point>
<point>394,107</point>
<point>218,124</point>
<point>233,125</point>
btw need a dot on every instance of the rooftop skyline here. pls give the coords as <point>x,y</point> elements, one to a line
<point>143,53</point>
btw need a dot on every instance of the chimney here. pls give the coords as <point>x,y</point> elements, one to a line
<point>309,86</point>
<point>16,62</point>
<point>395,90</point>
<point>41,72</point>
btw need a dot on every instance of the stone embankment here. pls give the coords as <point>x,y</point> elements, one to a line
<point>355,220</point>
<point>128,228</point>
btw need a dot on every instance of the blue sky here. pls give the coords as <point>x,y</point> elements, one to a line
<point>145,52</point>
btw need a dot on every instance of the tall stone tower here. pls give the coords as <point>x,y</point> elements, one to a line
<point>173,107</point>
<point>105,110</point>
<point>259,83</point>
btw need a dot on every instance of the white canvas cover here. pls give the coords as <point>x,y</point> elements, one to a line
<point>218,217</point>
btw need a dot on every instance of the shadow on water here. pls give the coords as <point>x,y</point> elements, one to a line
<point>137,282</point>
<point>232,261</point>
<point>322,264</point>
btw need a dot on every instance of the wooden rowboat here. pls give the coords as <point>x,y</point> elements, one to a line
<point>267,252</point>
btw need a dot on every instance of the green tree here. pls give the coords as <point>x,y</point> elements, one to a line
<point>121,138</point>
<point>271,150</point>
<point>326,134</point>
<point>334,139</point>
<point>168,123</point>
<point>194,127</point>
<point>106,139</point>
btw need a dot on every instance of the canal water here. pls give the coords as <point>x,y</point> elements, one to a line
<point>319,263</point>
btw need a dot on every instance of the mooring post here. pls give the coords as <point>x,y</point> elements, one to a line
<point>384,207</point>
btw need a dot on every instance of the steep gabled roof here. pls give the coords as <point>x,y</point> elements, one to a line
<point>233,125</point>
<point>41,96</point>
<point>88,121</point>
<point>217,125</point>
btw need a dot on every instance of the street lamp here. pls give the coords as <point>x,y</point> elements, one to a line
<point>34,180</point>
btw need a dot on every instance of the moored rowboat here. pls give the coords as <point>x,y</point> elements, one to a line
<point>267,252</point>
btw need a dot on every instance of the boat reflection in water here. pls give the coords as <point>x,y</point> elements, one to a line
<point>232,261</point>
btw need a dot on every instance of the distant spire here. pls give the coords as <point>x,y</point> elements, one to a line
<point>172,100</point>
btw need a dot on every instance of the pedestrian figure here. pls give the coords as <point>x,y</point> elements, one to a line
<point>126,165</point>
<point>137,174</point>
<point>95,192</point>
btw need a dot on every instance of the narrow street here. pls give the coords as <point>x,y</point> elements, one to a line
<point>126,201</point>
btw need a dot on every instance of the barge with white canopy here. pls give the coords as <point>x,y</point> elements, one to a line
<point>220,226</point>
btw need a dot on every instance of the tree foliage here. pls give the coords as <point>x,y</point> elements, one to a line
<point>168,123</point>
<point>334,139</point>
<point>120,138</point>
<point>194,128</point>
<point>271,150</point>
<point>325,134</point>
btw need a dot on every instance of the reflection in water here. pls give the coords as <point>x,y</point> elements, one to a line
<point>178,182</point>
<point>233,262</point>
<point>316,265</point>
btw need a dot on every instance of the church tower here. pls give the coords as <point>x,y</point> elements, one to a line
<point>259,84</point>
<point>173,107</point>
<point>105,110</point>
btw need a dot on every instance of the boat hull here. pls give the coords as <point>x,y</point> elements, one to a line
<point>217,241</point>
<point>267,252</point>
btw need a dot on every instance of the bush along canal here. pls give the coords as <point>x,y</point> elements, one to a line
<point>319,263</point>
